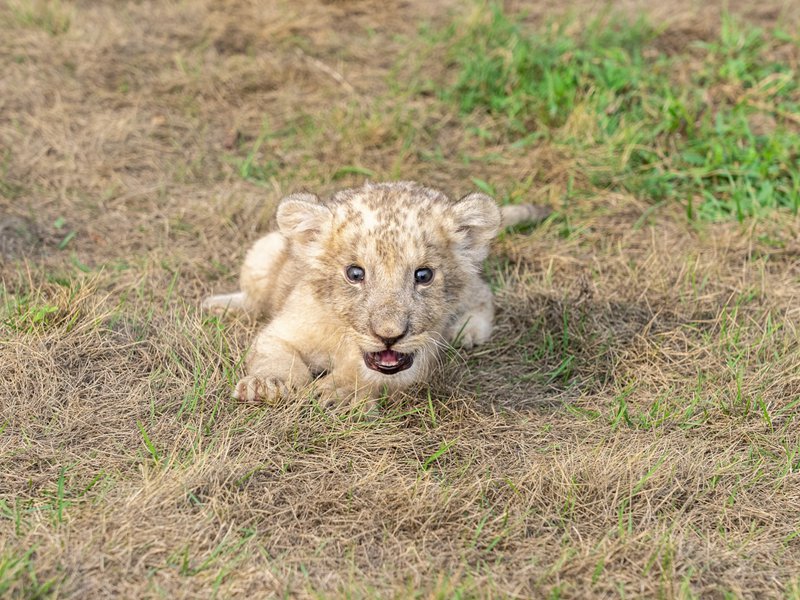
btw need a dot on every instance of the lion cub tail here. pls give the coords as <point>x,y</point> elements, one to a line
<point>514,214</point>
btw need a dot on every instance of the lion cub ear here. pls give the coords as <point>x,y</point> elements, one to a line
<point>301,217</point>
<point>477,220</point>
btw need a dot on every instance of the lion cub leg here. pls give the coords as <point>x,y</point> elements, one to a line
<point>260,293</point>
<point>474,325</point>
<point>274,367</point>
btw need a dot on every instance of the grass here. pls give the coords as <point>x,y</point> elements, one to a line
<point>678,127</point>
<point>629,431</point>
<point>51,16</point>
<point>18,573</point>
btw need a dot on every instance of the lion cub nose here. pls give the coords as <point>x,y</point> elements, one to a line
<point>390,334</point>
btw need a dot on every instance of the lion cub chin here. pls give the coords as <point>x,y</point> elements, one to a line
<point>365,288</point>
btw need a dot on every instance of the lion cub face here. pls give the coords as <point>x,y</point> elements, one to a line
<point>392,262</point>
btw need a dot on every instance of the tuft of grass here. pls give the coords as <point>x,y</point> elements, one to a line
<point>8,188</point>
<point>224,557</point>
<point>18,577</point>
<point>21,314</point>
<point>49,15</point>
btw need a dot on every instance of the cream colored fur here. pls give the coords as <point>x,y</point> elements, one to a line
<point>320,322</point>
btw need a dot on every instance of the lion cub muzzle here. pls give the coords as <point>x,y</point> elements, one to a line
<point>389,361</point>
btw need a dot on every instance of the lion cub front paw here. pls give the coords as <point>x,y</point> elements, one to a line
<point>333,397</point>
<point>329,394</point>
<point>474,331</point>
<point>260,389</point>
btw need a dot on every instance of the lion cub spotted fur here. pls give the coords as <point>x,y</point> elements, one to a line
<point>365,287</point>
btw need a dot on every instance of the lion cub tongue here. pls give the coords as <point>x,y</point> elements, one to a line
<point>388,358</point>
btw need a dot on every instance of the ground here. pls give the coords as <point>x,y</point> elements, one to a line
<point>631,430</point>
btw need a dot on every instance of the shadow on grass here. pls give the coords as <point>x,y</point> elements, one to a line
<point>546,351</point>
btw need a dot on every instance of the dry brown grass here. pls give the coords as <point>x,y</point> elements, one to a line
<point>631,430</point>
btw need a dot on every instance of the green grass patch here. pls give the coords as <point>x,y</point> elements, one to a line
<point>18,577</point>
<point>535,80</point>
<point>713,126</point>
<point>49,15</point>
<point>343,146</point>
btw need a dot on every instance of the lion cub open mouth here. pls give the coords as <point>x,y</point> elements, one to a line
<point>388,362</point>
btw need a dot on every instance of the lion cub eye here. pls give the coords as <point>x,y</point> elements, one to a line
<point>354,274</point>
<point>423,276</point>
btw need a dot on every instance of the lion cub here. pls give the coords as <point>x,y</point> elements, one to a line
<point>364,288</point>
